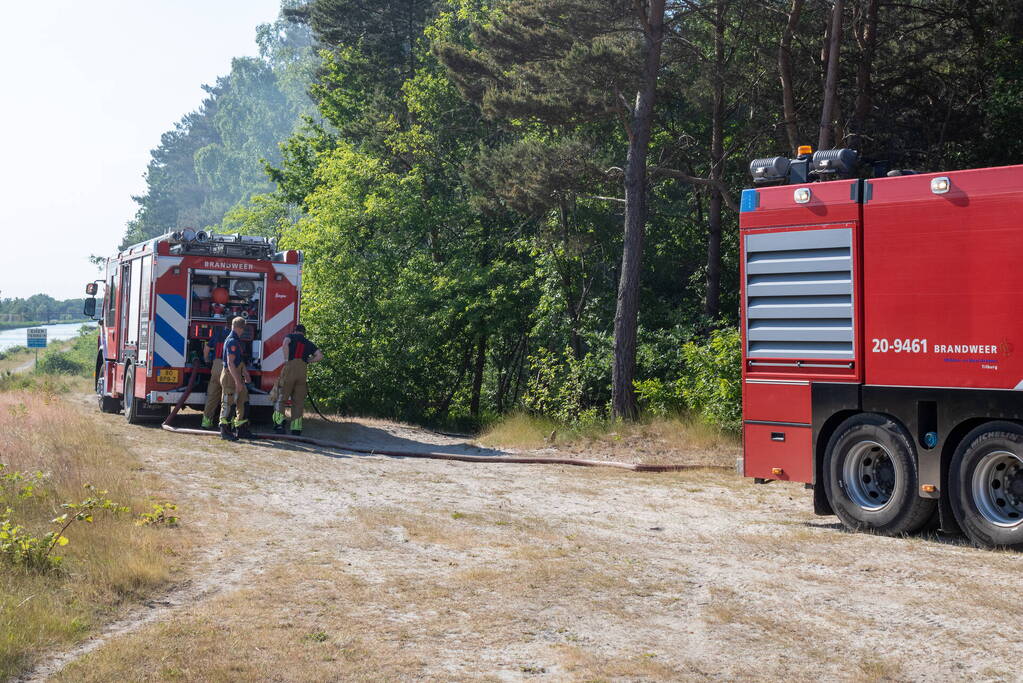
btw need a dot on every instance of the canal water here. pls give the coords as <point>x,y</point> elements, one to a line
<point>59,332</point>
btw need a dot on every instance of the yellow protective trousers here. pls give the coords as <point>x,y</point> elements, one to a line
<point>213,393</point>
<point>292,384</point>
<point>233,397</point>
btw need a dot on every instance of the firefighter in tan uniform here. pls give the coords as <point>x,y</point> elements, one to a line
<point>215,355</point>
<point>233,379</point>
<point>293,384</point>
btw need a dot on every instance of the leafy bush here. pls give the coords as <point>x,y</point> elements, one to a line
<point>18,547</point>
<point>160,514</point>
<point>57,363</point>
<point>659,397</point>
<point>557,387</point>
<point>712,383</point>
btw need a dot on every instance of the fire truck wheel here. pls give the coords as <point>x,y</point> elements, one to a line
<point>132,405</point>
<point>871,474</point>
<point>986,485</point>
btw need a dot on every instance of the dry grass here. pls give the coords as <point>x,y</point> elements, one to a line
<point>106,563</point>
<point>297,623</point>
<point>510,601</point>
<point>398,526</point>
<point>651,440</point>
<point>586,666</point>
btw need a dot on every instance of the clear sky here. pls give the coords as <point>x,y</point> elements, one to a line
<point>86,89</point>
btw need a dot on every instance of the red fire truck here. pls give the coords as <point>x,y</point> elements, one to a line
<point>165,298</point>
<point>882,324</point>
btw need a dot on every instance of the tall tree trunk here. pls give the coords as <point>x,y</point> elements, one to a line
<point>623,371</point>
<point>717,162</point>
<point>477,377</point>
<point>788,96</point>
<point>867,39</point>
<point>828,110</point>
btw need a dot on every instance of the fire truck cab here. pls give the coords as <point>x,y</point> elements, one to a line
<point>881,320</point>
<point>164,300</point>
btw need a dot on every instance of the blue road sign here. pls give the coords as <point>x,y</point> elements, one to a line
<point>36,338</point>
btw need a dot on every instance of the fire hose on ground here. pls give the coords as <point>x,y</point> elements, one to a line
<point>504,459</point>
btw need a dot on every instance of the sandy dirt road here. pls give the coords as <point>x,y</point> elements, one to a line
<point>315,565</point>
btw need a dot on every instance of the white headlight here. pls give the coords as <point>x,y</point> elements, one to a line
<point>801,195</point>
<point>940,185</point>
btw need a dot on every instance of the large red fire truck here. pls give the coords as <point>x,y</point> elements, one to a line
<point>882,324</point>
<point>164,299</point>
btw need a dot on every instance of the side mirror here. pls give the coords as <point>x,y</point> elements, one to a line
<point>91,289</point>
<point>90,307</point>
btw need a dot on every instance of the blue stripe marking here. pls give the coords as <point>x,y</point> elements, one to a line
<point>175,301</point>
<point>167,332</point>
<point>750,200</point>
<point>158,361</point>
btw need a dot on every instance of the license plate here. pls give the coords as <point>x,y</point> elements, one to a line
<point>168,376</point>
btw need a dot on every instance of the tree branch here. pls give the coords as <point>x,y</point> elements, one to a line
<point>726,195</point>
<point>604,199</point>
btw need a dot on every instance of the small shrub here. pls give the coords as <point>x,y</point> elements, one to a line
<point>18,547</point>
<point>566,389</point>
<point>57,363</point>
<point>21,484</point>
<point>660,398</point>
<point>712,383</point>
<point>161,514</point>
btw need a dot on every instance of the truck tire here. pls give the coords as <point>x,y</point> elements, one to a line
<point>132,405</point>
<point>986,485</point>
<point>872,480</point>
<point>107,404</point>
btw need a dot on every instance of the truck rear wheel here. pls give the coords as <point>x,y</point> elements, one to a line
<point>872,480</point>
<point>986,485</point>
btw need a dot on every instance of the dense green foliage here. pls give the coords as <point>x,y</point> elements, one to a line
<point>459,197</point>
<point>39,308</point>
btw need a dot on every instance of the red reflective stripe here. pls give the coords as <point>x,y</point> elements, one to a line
<point>297,350</point>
